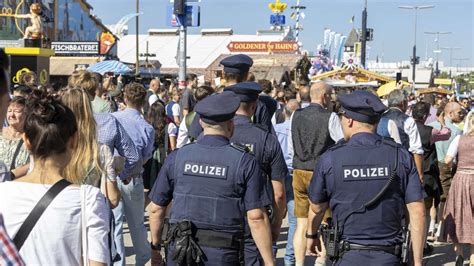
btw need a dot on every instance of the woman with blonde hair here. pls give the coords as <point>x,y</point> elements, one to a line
<point>458,213</point>
<point>91,163</point>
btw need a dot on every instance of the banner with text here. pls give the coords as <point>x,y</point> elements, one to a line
<point>263,47</point>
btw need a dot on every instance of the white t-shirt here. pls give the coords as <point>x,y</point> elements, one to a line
<point>183,137</point>
<point>172,130</point>
<point>153,98</point>
<point>176,110</point>
<point>56,237</point>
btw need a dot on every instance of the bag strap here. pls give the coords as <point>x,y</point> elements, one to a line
<point>17,151</point>
<point>37,211</point>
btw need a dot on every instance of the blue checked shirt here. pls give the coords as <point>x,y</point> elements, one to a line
<point>142,134</point>
<point>111,133</point>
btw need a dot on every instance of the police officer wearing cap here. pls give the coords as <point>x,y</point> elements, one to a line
<point>213,185</point>
<point>267,150</point>
<point>236,70</point>
<point>367,181</point>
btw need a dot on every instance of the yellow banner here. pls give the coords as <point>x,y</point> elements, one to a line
<point>442,81</point>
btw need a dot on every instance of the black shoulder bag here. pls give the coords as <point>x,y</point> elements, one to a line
<point>17,151</point>
<point>37,211</point>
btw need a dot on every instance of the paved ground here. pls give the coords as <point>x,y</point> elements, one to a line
<point>443,254</point>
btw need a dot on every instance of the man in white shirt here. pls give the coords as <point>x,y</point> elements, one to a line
<point>408,132</point>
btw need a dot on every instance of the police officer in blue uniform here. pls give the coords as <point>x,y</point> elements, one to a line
<point>347,179</point>
<point>236,70</point>
<point>267,150</point>
<point>213,186</point>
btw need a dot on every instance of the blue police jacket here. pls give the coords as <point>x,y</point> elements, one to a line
<point>351,173</point>
<point>263,145</point>
<point>211,183</point>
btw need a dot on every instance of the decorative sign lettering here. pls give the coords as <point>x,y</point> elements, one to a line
<point>91,48</point>
<point>263,47</point>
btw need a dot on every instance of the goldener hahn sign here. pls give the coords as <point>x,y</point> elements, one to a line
<point>263,47</point>
<point>75,47</point>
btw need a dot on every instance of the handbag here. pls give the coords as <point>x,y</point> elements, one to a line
<point>37,211</point>
<point>17,151</point>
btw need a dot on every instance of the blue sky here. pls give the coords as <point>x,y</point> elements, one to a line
<point>393,27</point>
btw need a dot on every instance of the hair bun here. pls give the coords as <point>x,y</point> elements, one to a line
<point>43,107</point>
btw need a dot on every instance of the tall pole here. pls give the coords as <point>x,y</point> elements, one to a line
<point>451,49</point>
<point>182,52</point>
<point>414,59</point>
<point>363,44</point>
<point>437,33</point>
<point>298,9</point>
<point>137,59</point>
<point>297,26</point>
<point>414,51</point>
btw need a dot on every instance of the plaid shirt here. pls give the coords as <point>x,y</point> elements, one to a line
<point>112,134</point>
<point>9,256</point>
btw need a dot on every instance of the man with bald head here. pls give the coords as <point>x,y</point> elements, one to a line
<point>312,131</point>
<point>304,96</point>
<point>153,94</point>
<point>452,114</point>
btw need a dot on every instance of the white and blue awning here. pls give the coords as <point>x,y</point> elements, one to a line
<point>107,66</point>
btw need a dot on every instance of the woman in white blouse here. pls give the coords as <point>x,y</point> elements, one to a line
<point>56,238</point>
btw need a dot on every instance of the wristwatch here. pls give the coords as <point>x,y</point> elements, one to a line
<point>313,236</point>
<point>155,247</point>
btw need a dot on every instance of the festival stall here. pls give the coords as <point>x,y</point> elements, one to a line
<point>435,90</point>
<point>351,76</point>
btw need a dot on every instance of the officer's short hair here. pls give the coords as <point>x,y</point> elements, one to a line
<point>237,77</point>
<point>135,94</point>
<point>396,98</point>
<point>420,110</point>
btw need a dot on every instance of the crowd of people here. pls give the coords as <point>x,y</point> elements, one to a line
<point>220,168</point>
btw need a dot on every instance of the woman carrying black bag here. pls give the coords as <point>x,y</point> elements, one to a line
<point>156,117</point>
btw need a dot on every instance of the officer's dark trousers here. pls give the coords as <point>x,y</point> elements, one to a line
<point>251,254</point>
<point>368,258</point>
<point>214,257</point>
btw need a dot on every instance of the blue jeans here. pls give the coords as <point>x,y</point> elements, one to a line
<point>290,204</point>
<point>131,205</point>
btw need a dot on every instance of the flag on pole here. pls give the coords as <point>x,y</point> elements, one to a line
<point>293,16</point>
<point>351,21</point>
<point>303,15</point>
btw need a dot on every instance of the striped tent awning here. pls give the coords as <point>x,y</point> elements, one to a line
<point>113,66</point>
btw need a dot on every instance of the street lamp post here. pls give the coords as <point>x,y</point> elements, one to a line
<point>415,59</point>
<point>450,49</point>
<point>460,62</point>
<point>438,51</point>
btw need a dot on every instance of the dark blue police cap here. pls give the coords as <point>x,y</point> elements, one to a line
<point>238,63</point>
<point>218,107</point>
<point>362,106</point>
<point>247,91</point>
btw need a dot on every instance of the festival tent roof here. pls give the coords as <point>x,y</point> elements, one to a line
<point>353,75</point>
<point>434,90</point>
<point>202,49</point>
<point>352,38</point>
